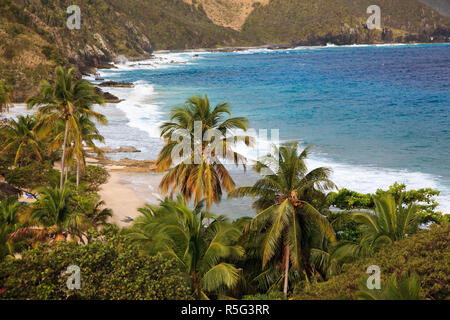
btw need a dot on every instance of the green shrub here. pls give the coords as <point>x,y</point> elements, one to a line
<point>110,269</point>
<point>33,176</point>
<point>426,254</point>
<point>95,176</point>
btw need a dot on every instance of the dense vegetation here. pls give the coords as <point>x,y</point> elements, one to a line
<point>425,254</point>
<point>34,36</point>
<point>304,242</point>
<point>341,22</point>
<point>109,266</point>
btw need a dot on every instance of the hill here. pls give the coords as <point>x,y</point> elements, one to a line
<point>342,22</point>
<point>34,37</point>
<point>425,254</point>
<point>441,6</point>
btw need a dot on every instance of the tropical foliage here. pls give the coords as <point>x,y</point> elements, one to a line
<point>424,253</point>
<point>390,222</point>
<point>21,139</point>
<point>404,288</point>
<point>174,230</point>
<point>67,100</point>
<point>5,96</point>
<point>290,223</point>
<point>110,269</point>
<point>199,173</point>
<point>305,241</point>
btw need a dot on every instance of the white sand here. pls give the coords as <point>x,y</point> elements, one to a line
<point>124,200</point>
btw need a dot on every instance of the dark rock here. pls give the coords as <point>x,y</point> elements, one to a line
<point>116,84</point>
<point>109,98</point>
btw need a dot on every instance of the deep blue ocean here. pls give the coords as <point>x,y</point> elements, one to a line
<point>375,114</point>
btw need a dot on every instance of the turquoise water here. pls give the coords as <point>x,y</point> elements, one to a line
<point>375,114</point>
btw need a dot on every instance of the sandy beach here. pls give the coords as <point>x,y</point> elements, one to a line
<point>125,192</point>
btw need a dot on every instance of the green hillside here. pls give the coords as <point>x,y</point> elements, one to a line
<point>341,21</point>
<point>441,6</point>
<point>34,37</point>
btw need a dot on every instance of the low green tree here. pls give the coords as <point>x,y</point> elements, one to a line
<point>110,269</point>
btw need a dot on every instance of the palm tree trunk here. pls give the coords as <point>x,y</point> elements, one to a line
<point>78,172</point>
<point>66,132</point>
<point>286,270</point>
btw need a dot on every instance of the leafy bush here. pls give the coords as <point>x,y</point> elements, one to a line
<point>33,176</point>
<point>425,254</point>
<point>95,176</point>
<point>110,269</point>
<point>347,199</point>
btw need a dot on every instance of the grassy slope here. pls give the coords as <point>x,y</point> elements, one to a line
<point>295,20</point>
<point>442,6</point>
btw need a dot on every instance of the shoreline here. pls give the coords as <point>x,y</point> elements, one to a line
<point>124,200</point>
<point>118,192</point>
<point>278,47</point>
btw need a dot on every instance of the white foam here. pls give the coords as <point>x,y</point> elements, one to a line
<point>367,179</point>
<point>139,109</point>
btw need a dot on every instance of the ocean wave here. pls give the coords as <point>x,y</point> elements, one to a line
<point>138,107</point>
<point>367,179</point>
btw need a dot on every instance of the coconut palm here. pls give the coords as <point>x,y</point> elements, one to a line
<point>66,99</point>
<point>85,136</point>
<point>286,216</point>
<point>5,97</point>
<point>53,217</point>
<point>201,173</point>
<point>21,138</point>
<point>389,222</point>
<point>173,230</point>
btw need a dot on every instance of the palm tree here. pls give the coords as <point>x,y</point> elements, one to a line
<point>389,222</point>
<point>21,136</point>
<point>173,230</point>
<point>204,176</point>
<point>53,216</point>
<point>9,222</point>
<point>98,217</point>
<point>86,135</point>
<point>5,97</point>
<point>285,214</point>
<point>65,100</point>
<point>404,288</point>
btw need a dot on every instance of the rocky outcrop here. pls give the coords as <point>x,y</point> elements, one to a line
<point>108,97</point>
<point>120,150</point>
<point>114,84</point>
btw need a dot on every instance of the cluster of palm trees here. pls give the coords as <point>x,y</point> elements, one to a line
<point>289,239</point>
<point>287,223</point>
<point>67,104</point>
<point>63,122</point>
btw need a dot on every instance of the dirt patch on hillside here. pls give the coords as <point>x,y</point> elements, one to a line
<point>228,13</point>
